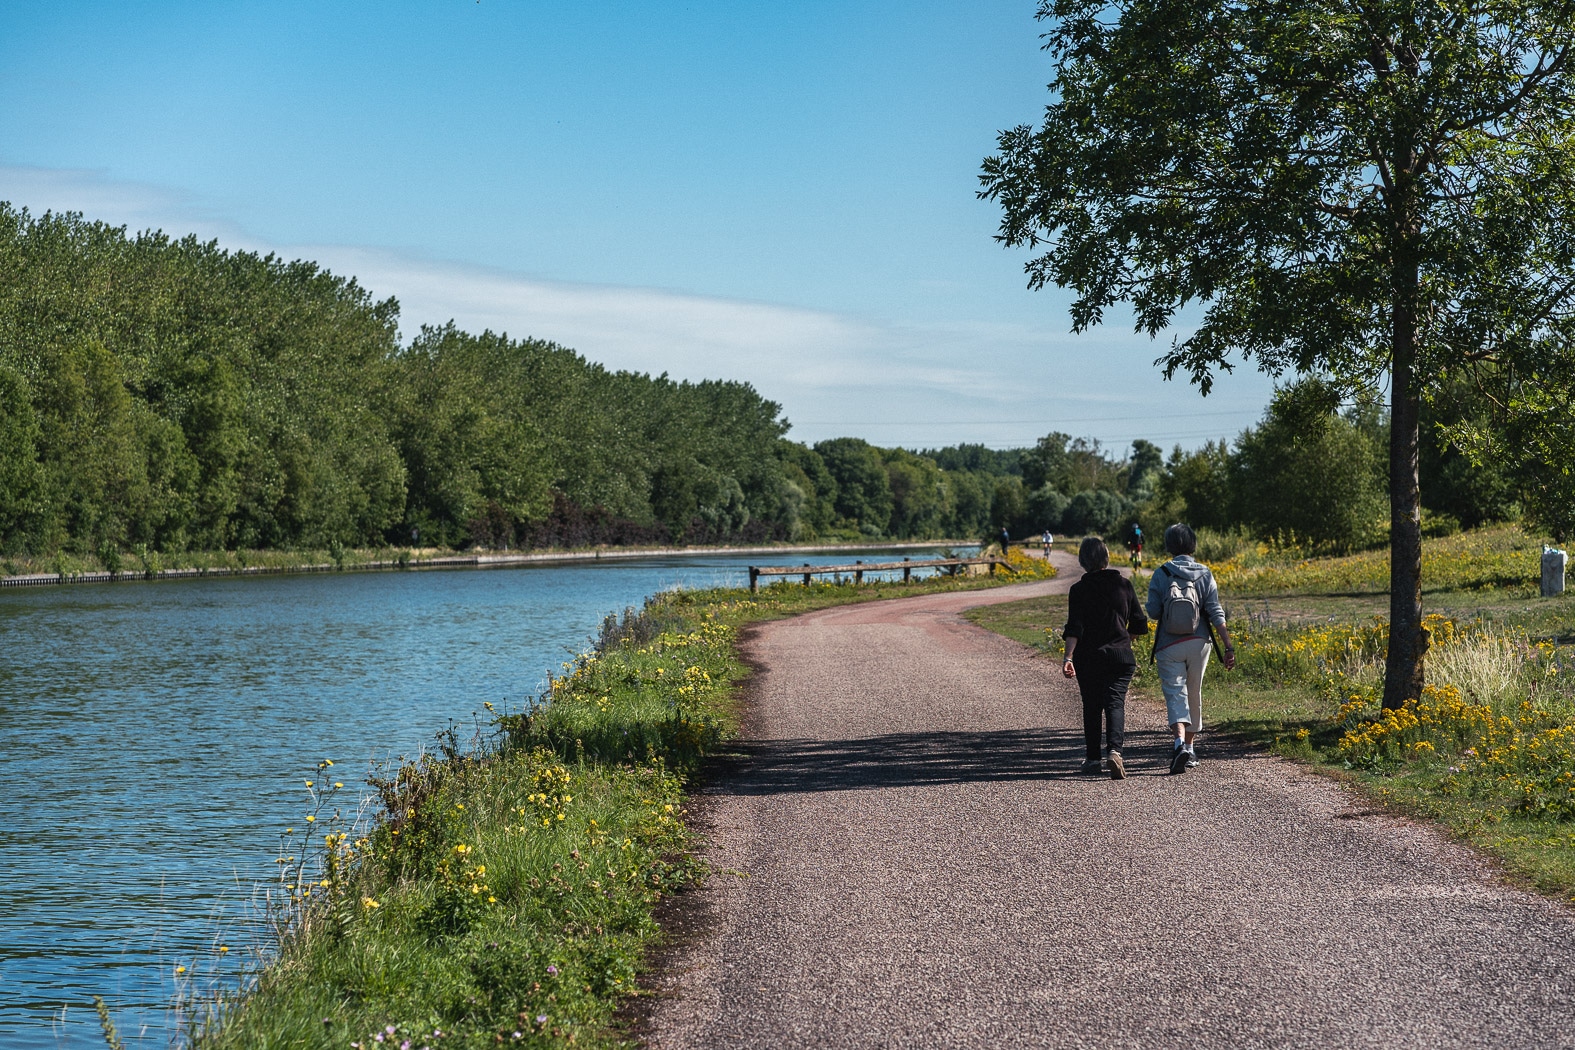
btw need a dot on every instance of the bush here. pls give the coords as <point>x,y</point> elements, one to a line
<point>1094,512</point>
<point>1310,478</point>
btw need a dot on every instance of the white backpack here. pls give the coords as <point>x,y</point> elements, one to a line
<point>1183,607</point>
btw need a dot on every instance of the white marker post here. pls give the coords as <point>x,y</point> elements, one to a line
<point>1553,561</point>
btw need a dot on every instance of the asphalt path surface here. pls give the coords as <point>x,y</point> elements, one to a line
<point>907,856</point>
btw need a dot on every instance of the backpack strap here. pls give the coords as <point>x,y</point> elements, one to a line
<point>1153,641</point>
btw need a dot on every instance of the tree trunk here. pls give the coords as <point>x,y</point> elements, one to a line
<point>1407,640</point>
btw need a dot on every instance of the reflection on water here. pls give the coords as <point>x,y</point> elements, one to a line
<point>154,736</point>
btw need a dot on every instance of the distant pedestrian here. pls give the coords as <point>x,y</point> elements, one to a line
<point>1006,541</point>
<point>1102,615</point>
<point>1135,544</point>
<point>1185,601</point>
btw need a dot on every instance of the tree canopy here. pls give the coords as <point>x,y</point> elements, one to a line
<point>1377,192</point>
<point>169,394</point>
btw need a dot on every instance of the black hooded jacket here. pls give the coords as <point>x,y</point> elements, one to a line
<point>1103,613</point>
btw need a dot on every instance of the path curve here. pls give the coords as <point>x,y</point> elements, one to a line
<point>907,858</point>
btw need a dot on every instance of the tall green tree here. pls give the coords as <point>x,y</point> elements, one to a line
<point>804,469</point>
<point>1380,191</point>
<point>1197,486</point>
<point>864,499</point>
<point>1528,439</point>
<point>1047,463</point>
<point>921,501</point>
<point>1309,475</point>
<point>1144,468</point>
<point>21,476</point>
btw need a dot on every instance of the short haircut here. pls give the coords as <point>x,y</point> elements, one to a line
<point>1180,539</point>
<point>1093,554</point>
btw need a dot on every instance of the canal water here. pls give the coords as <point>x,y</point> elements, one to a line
<point>154,738</point>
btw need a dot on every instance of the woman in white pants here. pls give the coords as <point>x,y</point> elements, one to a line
<point>1184,599</point>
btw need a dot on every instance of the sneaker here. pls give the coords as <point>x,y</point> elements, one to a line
<point>1192,758</point>
<point>1178,758</point>
<point>1118,768</point>
<point>1090,765</point>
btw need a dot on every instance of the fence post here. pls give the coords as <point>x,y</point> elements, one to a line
<point>907,571</point>
<point>806,575</point>
<point>754,579</point>
<point>858,574</point>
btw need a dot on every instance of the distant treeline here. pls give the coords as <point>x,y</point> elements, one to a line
<point>171,395</point>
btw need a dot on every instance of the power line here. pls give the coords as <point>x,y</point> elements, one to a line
<point>1009,422</point>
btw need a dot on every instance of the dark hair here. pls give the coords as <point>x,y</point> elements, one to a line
<point>1093,554</point>
<point>1180,539</point>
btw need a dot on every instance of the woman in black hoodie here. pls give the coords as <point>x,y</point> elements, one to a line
<point>1103,613</point>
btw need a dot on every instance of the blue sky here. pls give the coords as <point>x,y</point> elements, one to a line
<point>778,193</point>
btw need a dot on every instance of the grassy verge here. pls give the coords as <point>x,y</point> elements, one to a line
<point>144,562</point>
<point>504,893</point>
<point>1489,750</point>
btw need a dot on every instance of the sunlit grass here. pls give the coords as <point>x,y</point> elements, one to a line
<point>1500,558</point>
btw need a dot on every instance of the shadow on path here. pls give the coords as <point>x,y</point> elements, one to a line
<point>771,767</point>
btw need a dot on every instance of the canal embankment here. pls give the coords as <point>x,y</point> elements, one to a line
<point>266,563</point>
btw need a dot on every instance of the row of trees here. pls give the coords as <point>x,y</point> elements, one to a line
<point>1311,474</point>
<point>171,394</point>
<point>1316,476</point>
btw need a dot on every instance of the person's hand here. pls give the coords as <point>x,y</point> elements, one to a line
<point>1068,670</point>
<point>1230,659</point>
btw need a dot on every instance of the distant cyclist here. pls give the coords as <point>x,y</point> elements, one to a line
<point>1135,544</point>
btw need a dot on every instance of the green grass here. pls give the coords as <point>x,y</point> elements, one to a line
<point>1490,752</point>
<point>510,886</point>
<point>1503,559</point>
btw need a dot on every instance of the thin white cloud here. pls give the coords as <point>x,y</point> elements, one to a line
<point>986,381</point>
<point>134,205</point>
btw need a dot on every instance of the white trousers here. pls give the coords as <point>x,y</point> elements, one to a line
<point>1181,666</point>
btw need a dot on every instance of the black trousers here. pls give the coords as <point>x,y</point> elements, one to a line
<point>1104,689</point>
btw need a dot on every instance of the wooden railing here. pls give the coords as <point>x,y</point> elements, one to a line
<point>859,568</point>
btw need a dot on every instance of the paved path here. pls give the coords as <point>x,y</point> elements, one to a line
<point>913,862</point>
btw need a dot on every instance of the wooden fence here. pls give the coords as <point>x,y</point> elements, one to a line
<point>859,568</point>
